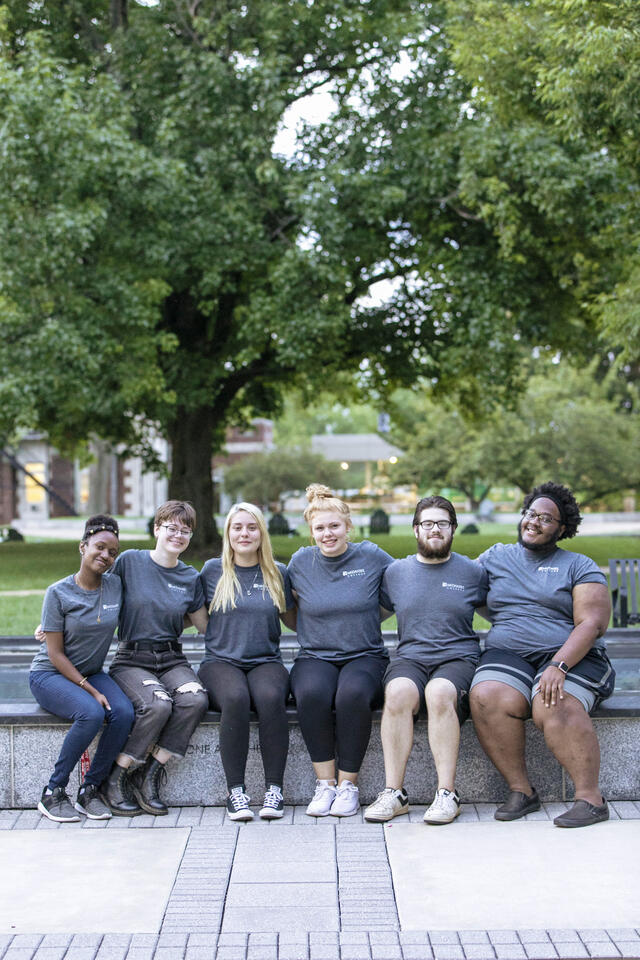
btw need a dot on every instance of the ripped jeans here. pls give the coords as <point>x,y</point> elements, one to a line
<point>168,699</point>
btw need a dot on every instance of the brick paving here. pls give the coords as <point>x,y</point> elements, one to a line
<point>330,881</point>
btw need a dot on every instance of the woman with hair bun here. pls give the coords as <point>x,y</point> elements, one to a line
<point>79,617</point>
<point>247,594</point>
<point>342,656</point>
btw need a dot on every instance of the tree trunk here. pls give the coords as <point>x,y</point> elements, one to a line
<point>191,436</point>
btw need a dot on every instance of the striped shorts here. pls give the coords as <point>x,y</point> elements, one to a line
<point>590,681</point>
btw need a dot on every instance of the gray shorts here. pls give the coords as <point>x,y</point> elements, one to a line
<point>590,681</point>
<point>459,672</point>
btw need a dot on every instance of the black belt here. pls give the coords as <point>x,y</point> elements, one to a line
<point>152,646</point>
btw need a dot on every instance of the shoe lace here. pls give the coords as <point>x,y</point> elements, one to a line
<point>239,799</point>
<point>321,789</point>
<point>386,799</point>
<point>443,800</point>
<point>272,798</point>
<point>159,776</point>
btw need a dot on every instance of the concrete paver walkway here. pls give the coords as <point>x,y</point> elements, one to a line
<point>301,889</point>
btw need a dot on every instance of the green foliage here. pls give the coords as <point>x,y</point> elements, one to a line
<point>561,79</point>
<point>567,426</point>
<point>161,266</point>
<point>263,478</point>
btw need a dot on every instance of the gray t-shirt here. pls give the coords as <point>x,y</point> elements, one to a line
<point>74,612</point>
<point>338,600</point>
<point>434,604</point>
<point>530,596</point>
<point>248,634</point>
<point>154,598</point>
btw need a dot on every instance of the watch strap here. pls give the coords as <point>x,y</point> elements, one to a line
<point>560,664</point>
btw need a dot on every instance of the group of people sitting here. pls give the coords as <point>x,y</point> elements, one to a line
<point>544,657</point>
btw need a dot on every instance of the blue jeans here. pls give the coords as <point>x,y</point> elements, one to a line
<point>66,699</point>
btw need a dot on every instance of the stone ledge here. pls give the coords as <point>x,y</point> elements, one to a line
<point>30,740</point>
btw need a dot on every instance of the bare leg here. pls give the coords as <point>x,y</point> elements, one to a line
<point>569,734</point>
<point>345,775</point>
<point>401,702</point>
<point>325,770</point>
<point>499,712</point>
<point>443,729</point>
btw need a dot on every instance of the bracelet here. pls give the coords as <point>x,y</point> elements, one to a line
<point>83,681</point>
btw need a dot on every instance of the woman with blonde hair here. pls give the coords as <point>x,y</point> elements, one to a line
<point>247,593</point>
<point>342,656</point>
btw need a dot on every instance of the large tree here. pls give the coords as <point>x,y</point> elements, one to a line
<point>161,267</point>
<point>568,71</point>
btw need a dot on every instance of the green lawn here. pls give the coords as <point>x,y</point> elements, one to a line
<point>33,566</point>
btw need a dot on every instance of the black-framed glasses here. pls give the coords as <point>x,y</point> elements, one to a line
<point>544,518</point>
<point>174,531</point>
<point>440,524</point>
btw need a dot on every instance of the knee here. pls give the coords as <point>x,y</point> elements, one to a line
<point>122,714</point>
<point>191,698</point>
<point>440,698</point>
<point>400,699</point>
<point>490,701</point>
<point>93,715</point>
<point>236,704</point>
<point>158,708</point>
<point>353,698</point>
<point>313,698</point>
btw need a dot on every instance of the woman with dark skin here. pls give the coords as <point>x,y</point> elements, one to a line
<point>79,617</point>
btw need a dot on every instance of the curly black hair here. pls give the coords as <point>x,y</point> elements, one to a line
<point>100,521</point>
<point>564,500</point>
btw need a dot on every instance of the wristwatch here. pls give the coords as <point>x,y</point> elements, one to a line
<point>560,664</point>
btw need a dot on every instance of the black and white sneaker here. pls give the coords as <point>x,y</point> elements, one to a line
<point>91,803</point>
<point>238,804</point>
<point>273,803</point>
<point>55,805</point>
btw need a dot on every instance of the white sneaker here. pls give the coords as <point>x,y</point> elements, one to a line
<point>445,807</point>
<point>322,799</point>
<point>388,804</point>
<point>347,801</point>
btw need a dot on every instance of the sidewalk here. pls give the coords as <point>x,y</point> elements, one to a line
<point>195,886</point>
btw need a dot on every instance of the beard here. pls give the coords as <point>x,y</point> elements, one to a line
<point>544,546</point>
<point>435,552</point>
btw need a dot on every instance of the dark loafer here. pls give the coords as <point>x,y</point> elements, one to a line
<point>583,814</point>
<point>518,805</point>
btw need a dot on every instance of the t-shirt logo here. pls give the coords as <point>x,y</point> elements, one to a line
<point>110,606</point>
<point>452,586</point>
<point>354,573</point>
<point>549,569</point>
<point>173,586</point>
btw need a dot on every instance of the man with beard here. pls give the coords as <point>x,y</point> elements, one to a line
<point>434,594</point>
<point>544,657</point>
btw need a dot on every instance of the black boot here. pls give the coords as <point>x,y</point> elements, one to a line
<point>116,793</point>
<point>145,782</point>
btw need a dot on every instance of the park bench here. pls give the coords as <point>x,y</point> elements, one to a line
<point>624,582</point>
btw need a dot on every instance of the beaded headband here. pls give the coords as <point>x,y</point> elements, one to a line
<point>102,526</point>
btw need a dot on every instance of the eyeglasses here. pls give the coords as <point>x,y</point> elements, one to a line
<point>174,531</point>
<point>544,518</point>
<point>440,524</point>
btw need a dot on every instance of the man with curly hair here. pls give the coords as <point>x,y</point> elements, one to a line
<point>545,656</point>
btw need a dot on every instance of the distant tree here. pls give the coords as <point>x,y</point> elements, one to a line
<point>567,426</point>
<point>263,478</point>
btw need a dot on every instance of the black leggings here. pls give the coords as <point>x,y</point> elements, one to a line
<point>353,688</point>
<point>234,690</point>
